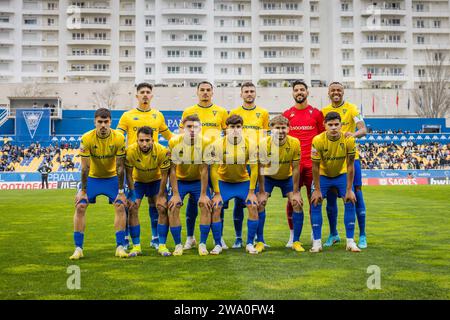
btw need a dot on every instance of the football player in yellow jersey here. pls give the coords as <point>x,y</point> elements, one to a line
<point>131,121</point>
<point>256,122</point>
<point>279,156</point>
<point>213,118</point>
<point>189,175</point>
<point>147,165</point>
<point>352,125</point>
<point>102,152</point>
<point>230,179</point>
<point>333,157</point>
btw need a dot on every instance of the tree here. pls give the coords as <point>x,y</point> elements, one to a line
<point>263,83</point>
<point>432,98</point>
<point>106,98</point>
<point>34,89</point>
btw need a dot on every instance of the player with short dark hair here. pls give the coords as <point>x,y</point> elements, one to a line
<point>256,121</point>
<point>279,156</point>
<point>131,121</point>
<point>189,175</point>
<point>231,179</point>
<point>147,164</point>
<point>352,125</point>
<point>333,156</point>
<point>212,118</point>
<point>102,152</point>
<point>305,122</point>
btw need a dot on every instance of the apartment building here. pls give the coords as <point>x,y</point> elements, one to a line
<point>365,44</point>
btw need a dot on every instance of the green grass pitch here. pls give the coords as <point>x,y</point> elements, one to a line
<point>408,235</point>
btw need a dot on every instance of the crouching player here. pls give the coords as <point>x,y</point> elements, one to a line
<point>189,175</point>
<point>230,179</point>
<point>279,155</point>
<point>333,157</point>
<point>102,152</point>
<point>147,165</point>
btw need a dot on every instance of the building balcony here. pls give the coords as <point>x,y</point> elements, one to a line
<point>345,45</point>
<point>233,28</point>
<point>233,44</point>
<point>280,12</point>
<point>7,25</point>
<point>126,74</point>
<point>46,74</point>
<point>41,11</point>
<point>430,14</point>
<point>385,77</point>
<point>127,27</point>
<point>442,30</point>
<point>233,13</point>
<point>371,10</point>
<point>431,46</point>
<point>184,43</point>
<point>282,76</point>
<point>282,27</point>
<point>428,62</point>
<point>7,41</point>
<point>44,43</point>
<point>88,57</point>
<point>7,57</point>
<point>46,27</point>
<point>233,76</point>
<point>88,73</point>
<point>383,61</point>
<point>384,44</point>
<point>219,61</point>
<point>96,41</point>
<point>385,28</point>
<point>184,8</point>
<point>282,59</point>
<point>126,42</point>
<point>184,59</point>
<point>41,58</point>
<point>183,75</point>
<point>183,26</point>
<point>93,25</point>
<point>7,9</point>
<point>281,44</point>
<point>129,58</point>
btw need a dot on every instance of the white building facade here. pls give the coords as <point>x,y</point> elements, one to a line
<point>365,44</point>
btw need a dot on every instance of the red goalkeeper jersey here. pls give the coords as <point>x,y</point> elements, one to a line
<point>304,125</point>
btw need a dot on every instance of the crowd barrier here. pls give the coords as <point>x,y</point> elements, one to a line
<point>71,180</point>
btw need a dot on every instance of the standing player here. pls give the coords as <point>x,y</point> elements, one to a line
<point>231,179</point>
<point>352,125</point>
<point>333,156</point>
<point>305,122</point>
<point>279,156</point>
<point>131,121</point>
<point>102,152</point>
<point>213,119</point>
<point>189,175</point>
<point>256,120</point>
<point>147,165</point>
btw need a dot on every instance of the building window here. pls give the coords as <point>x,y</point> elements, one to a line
<point>223,39</point>
<point>241,54</point>
<point>223,55</point>
<point>148,22</point>
<point>345,72</point>
<point>148,70</point>
<point>437,23</point>
<point>420,39</point>
<point>148,54</point>
<point>241,39</point>
<point>421,72</point>
<point>224,70</point>
<point>314,38</point>
<point>173,69</point>
<point>420,24</point>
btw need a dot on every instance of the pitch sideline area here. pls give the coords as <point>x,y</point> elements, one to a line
<point>407,235</point>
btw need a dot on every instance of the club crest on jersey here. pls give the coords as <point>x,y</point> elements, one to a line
<point>111,148</point>
<point>310,111</point>
<point>154,156</point>
<point>341,145</point>
<point>154,116</point>
<point>214,113</point>
<point>258,114</point>
<point>344,111</point>
<point>288,149</point>
<point>292,115</point>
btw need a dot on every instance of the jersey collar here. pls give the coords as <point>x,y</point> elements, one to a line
<point>138,109</point>
<point>110,130</point>
<point>343,102</point>
<point>247,109</point>
<point>205,107</point>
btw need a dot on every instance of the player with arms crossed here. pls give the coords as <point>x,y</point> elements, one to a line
<point>189,175</point>
<point>256,120</point>
<point>230,179</point>
<point>102,152</point>
<point>333,156</point>
<point>147,165</point>
<point>305,122</point>
<point>212,118</point>
<point>131,121</point>
<point>352,125</point>
<point>279,155</point>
